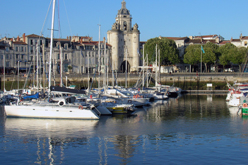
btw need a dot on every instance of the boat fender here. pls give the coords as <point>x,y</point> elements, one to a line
<point>80,107</point>
<point>61,103</point>
<point>244,105</point>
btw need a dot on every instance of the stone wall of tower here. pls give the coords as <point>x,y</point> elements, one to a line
<point>135,50</point>
<point>124,40</point>
<point>113,39</point>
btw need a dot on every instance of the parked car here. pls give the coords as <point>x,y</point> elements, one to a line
<point>229,70</point>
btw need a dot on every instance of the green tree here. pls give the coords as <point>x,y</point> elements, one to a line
<point>169,53</point>
<point>226,51</point>
<point>211,54</point>
<point>238,56</point>
<point>69,67</point>
<point>192,54</point>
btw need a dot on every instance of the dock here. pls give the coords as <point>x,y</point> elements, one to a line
<point>205,91</point>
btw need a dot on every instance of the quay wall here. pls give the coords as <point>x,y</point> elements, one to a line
<point>186,81</point>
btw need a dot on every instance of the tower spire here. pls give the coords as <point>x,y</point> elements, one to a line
<point>123,4</point>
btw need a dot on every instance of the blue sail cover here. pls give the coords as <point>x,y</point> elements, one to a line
<point>35,96</point>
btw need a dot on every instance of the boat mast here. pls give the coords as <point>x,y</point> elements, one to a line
<point>126,70</point>
<point>51,45</point>
<point>99,60</point>
<point>61,67</point>
<point>156,79</point>
<point>88,74</point>
<point>106,64</point>
<point>4,70</point>
<point>105,69</point>
<point>143,79</point>
<point>37,70</point>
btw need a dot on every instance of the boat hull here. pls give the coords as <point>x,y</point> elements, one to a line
<point>53,112</point>
<point>245,111</point>
<point>118,110</point>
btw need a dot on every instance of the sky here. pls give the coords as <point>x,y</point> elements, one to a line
<point>166,18</point>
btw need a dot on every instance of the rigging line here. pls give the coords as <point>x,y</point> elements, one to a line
<point>46,17</point>
<point>67,17</point>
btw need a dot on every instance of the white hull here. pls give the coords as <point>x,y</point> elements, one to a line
<point>54,112</point>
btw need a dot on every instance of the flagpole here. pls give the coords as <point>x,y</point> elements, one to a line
<point>201,59</point>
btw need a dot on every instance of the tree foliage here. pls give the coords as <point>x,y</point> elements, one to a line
<point>226,51</point>
<point>169,53</point>
<point>192,54</point>
<point>238,56</point>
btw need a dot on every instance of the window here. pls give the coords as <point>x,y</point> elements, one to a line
<point>65,56</point>
<point>25,49</point>
<point>65,47</point>
<point>125,25</point>
<point>7,57</point>
<point>16,48</point>
<point>58,56</point>
<point>31,58</point>
<point>40,42</point>
<point>21,49</point>
<point>22,56</point>
<point>31,49</point>
<point>31,42</point>
<point>16,56</point>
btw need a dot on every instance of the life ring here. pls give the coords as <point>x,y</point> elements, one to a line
<point>80,107</point>
<point>244,105</point>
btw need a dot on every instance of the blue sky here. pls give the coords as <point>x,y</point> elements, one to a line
<point>166,18</point>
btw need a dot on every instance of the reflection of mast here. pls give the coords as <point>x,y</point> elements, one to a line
<point>125,144</point>
<point>50,151</point>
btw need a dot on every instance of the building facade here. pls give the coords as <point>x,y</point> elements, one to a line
<point>125,41</point>
<point>27,52</point>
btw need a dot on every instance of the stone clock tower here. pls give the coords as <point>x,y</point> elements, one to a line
<point>125,41</point>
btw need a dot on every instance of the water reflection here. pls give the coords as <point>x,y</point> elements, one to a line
<point>189,124</point>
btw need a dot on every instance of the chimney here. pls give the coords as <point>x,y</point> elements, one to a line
<point>18,38</point>
<point>23,37</point>
<point>81,40</point>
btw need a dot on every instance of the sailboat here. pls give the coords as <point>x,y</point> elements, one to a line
<point>48,109</point>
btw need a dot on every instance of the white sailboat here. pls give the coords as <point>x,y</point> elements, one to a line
<point>47,109</point>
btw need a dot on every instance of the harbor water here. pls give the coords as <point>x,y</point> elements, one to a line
<point>191,129</point>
